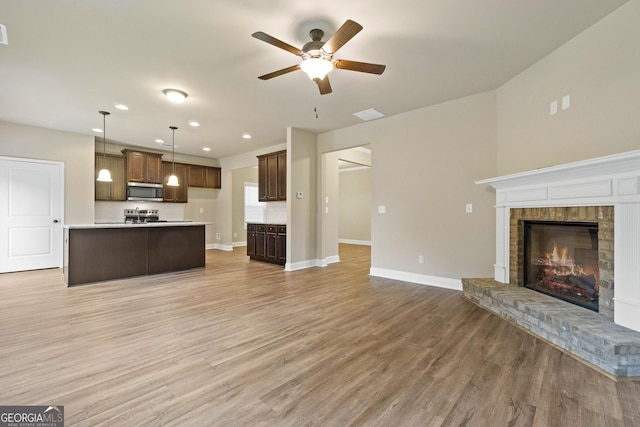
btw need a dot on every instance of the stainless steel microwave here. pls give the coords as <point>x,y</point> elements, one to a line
<point>142,191</point>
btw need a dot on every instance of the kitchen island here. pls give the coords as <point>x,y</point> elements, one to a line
<point>99,252</point>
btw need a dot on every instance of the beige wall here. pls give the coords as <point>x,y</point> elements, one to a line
<point>355,205</point>
<point>425,163</point>
<point>240,176</point>
<point>600,70</point>
<point>74,150</point>
<point>302,175</point>
<point>329,208</point>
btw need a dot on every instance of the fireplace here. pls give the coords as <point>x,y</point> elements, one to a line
<point>585,234</point>
<point>561,260</point>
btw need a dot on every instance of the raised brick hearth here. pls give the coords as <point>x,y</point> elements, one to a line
<point>583,333</point>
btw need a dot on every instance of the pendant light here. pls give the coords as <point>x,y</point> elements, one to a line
<point>173,179</point>
<point>104,175</point>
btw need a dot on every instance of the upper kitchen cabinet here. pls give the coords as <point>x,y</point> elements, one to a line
<point>272,177</point>
<point>143,167</point>
<point>205,176</point>
<point>180,193</point>
<point>115,190</point>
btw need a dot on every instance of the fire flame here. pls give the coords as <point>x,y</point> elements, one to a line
<point>561,263</point>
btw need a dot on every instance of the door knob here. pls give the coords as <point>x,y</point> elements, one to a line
<point>55,221</point>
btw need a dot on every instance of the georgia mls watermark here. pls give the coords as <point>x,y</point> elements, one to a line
<point>31,416</point>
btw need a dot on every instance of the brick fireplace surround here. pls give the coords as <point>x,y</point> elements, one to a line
<point>605,190</point>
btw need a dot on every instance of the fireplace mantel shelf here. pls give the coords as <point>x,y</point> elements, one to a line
<point>616,164</point>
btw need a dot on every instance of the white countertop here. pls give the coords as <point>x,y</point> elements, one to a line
<point>129,225</point>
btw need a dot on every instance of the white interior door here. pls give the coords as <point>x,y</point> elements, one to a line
<point>31,208</point>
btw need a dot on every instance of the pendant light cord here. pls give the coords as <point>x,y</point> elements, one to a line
<point>104,132</point>
<point>173,148</point>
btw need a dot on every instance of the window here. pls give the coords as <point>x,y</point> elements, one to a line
<point>254,211</point>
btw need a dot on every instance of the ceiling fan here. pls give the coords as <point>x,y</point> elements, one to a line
<point>317,55</point>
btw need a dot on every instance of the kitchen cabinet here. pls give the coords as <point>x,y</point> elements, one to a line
<point>117,189</point>
<point>143,167</point>
<point>267,242</point>
<point>213,177</point>
<point>204,176</point>
<point>272,177</point>
<point>180,193</point>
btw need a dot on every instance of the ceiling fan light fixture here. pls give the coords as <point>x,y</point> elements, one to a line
<point>316,68</point>
<point>174,95</point>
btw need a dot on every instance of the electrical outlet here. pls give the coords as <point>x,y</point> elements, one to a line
<point>420,259</point>
<point>218,236</point>
<point>566,102</point>
<point>382,209</point>
<point>553,108</point>
<point>469,208</point>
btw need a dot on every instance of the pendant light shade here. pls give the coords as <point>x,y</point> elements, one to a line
<point>173,179</point>
<point>104,175</point>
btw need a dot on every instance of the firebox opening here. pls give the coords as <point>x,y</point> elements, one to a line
<point>561,260</point>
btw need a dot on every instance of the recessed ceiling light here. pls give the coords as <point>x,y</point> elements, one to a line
<point>194,124</point>
<point>246,136</point>
<point>369,114</point>
<point>121,107</point>
<point>206,149</point>
<point>96,130</point>
<point>160,141</point>
<point>174,95</point>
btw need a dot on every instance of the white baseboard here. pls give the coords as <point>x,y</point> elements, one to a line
<point>332,259</point>
<point>218,246</point>
<point>237,244</point>
<point>301,265</point>
<point>355,242</point>
<point>421,279</point>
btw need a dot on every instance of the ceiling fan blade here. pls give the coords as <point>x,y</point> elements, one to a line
<point>363,67</point>
<point>280,72</point>
<point>324,85</point>
<point>344,34</point>
<point>277,43</point>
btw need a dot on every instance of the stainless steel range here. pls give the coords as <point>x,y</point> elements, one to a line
<point>141,216</point>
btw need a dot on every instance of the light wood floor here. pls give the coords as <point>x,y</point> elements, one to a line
<point>246,344</point>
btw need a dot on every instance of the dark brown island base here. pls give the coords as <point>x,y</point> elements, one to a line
<point>95,253</point>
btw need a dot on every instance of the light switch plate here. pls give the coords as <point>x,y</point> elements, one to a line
<point>553,108</point>
<point>382,209</point>
<point>566,102</point>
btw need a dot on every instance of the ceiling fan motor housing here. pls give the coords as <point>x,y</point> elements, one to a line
<point>313,49</point>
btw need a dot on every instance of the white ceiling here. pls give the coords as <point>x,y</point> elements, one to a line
<point>68,59</point>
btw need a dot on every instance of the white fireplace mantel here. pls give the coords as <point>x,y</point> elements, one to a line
<point>604,181</point>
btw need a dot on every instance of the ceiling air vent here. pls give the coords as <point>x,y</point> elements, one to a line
<point>369,114</point>
<point>3,34</point>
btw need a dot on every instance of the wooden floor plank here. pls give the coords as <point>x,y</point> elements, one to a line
<point>245,343</point>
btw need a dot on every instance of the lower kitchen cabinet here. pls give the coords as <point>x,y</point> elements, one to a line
<point>267,242</point>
